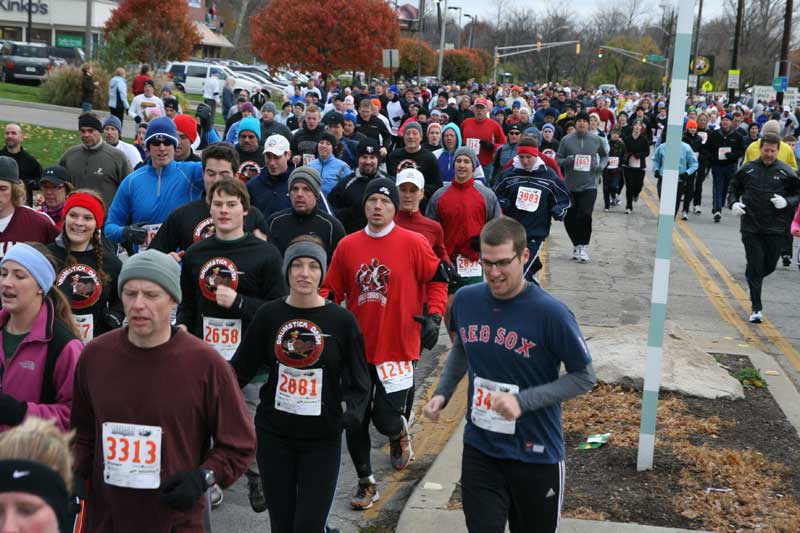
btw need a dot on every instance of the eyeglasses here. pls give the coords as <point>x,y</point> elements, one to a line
<point>514,133</point>
<point>160,142</point>
<point>501,264</point>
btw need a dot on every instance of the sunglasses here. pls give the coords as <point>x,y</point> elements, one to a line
<point>160,142</point>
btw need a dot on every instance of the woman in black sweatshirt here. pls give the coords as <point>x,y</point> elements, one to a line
<point>637,148</point>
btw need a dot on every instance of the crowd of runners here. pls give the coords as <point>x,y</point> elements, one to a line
<point>196,306</point>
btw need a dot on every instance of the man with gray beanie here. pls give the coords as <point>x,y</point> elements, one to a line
<point>112,131</point>
<point>146,417</point>
<point>270,126</point>
<point>305,216</point>
<point>300,418</point>
<point>385,273</point>
<point>413,155</point>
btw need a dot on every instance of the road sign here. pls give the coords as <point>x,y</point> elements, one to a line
<point>733,79</point>
<point>391,58</point>
<point>708,86</point>
<point>702,65</point>
<point>692,80</point>
<point>765,93</point>
<point>780,83</point>
<point>656,57</point>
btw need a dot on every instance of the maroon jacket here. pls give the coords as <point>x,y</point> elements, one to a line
<point>27,225</point>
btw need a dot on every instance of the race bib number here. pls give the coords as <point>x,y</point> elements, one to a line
<point>308,158</point>
<point>583,163</point>
<point>396,375</point>
<point>468,268</point>
<point>613,162</point>
<point>634,162</point>
<point>299,391</point>
<point>723,153</point>
<point>703,136</point>
<point>528,199</point>
<point>132,455</point>
<point>224,334</point>
<point>85,325</point>
<point>484,392</point>
<point>475,144</point>
<point>152,229</point>
<point>549,153</point>
<point>395,130</point>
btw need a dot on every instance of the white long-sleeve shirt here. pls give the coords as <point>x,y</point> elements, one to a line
<point>146,107</point>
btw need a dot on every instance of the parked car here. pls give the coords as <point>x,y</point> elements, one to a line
<point>24,61</point>
<point>189,76</point>
<point>70,55</point>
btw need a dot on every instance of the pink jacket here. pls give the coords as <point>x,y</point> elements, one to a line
<point>22,374</point>
<point>796,222</point>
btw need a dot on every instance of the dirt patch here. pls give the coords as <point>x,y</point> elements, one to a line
<point>720,465</point>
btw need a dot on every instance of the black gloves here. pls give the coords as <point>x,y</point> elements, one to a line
<point>430,329</point>
<point>657,174</point>
<point>12,411</point>
<point>137,119</point>
<point>113,319</point>
<point>134,234</point>
<point>182,490</point>
<point>475,243</point>
<point>350,419</point>
<point>486,145</point>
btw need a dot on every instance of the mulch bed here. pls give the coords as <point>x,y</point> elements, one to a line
<point>720,465</point>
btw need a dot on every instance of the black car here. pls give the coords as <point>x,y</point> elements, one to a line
<point>24,61</point>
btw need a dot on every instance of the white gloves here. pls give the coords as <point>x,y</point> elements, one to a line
<point>738,208</point>
<point>778,201</point>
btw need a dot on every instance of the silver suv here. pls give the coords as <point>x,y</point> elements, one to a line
<point>24,61</point>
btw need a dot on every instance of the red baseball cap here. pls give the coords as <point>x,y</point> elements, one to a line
<point>482,101</point>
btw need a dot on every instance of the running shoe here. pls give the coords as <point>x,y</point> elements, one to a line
<point>685,215</point>
<point>697,210</point>
<point>365,496</point>
<point>628,211</point>
<point>787,260</point>
<point>255,493</point>
<point>216,496</point>
<point>618,200</point>
<point>584,254</point>
<point>400,452</point>
<point>717,217</point>
<point>755,317</point>
<point>575,253</point>
<point>606,210</point>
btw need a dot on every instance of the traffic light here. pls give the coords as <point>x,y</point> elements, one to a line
<point>600,52</point>
<point>577,48</point>
<point>644,58</point>
<point>538,46</point>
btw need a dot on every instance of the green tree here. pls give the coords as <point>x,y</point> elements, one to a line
<point>622,70</point>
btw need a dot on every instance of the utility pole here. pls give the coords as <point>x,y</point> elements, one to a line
<point>441,42</point>
<point>735,57</point>
<point>87,45</point>
<point>696,41</point>
<point>30,21</point>
<point>787,33</point>
<point>420,30</point>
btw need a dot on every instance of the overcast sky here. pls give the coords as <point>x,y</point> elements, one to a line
<point>485,9</point>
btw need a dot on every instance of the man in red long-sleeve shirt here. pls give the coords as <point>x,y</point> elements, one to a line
<point>484,134</point>
<point>411,186</point>
<point>385,272</point>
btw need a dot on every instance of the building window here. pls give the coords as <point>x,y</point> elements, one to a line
<point>10,33</point>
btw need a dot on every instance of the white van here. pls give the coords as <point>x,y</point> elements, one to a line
<point>189,76</point>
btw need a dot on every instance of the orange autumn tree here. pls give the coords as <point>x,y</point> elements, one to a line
<point>153,31</point>
<point>324,35</point>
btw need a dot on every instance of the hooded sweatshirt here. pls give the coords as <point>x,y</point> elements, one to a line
<point>571,147</point>
<point>446,158</point>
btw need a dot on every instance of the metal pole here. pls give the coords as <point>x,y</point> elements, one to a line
<point>666,222</point>
<point>30,21</point>
<point>697,38</point>
<point>787,33</point>
<point>420,29</point>
<point>87,45</point>
<point>496,61</point>
<point>735,56</point>
<point>441,42</point>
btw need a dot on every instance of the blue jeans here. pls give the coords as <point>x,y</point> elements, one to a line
<point>722,179</point>
<point>86,107</point>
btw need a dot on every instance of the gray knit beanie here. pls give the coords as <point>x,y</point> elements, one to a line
<point>308,175</point>
<point>771,126</point>
<point>469,152</point>
<point>155,266</point>
<point>305,249</point>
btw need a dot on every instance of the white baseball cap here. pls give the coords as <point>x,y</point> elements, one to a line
<point>276,144</point>
<point>411,175</point>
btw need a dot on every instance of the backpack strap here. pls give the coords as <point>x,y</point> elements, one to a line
<point>61,336</point>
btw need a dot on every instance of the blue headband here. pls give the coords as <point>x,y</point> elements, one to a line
<point>34,262</point>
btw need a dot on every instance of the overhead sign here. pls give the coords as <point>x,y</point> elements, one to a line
<point>708,86</point>
<point>766,94</point>
<point>780,83</point>
<point>69,41</point>
<point>733,79</point>
<point>656,57</point>
<point>702,65</point>
<point>391,58</point>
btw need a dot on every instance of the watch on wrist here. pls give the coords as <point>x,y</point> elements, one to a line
<point>209,478</point>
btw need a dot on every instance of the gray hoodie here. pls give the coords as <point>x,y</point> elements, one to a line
<point>574,145</point>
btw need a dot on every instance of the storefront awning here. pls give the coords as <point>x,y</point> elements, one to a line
<point>210,38</point>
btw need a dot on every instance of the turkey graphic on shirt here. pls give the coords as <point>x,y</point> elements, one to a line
<point>373,279</point>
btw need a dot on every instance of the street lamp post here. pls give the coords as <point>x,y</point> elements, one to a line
<point>473,23</point>
<point>441,41</point>
<point>547,66</point>
<point>454,8</point>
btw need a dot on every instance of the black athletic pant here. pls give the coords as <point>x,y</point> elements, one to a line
<point>494,491</point>
<point>634,181</point>
<point>386,413</point>
<point>678,193</point>
<point>299,480</point>
<point>118,112</point>
<point>699,178</point>
<point>611,187</point>
<point>578,221</point>
<point>762,253</point>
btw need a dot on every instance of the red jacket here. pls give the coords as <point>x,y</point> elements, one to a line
<point>484,130</point>
<point>22,374</point>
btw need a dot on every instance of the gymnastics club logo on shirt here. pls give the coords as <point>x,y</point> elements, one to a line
<point>216,272</point>
<point>374,282</point>
<point>81,283</point>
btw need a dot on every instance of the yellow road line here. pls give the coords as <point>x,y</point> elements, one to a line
<point>767,328</point>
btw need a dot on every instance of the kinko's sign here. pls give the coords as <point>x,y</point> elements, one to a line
<point>21,6</point>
